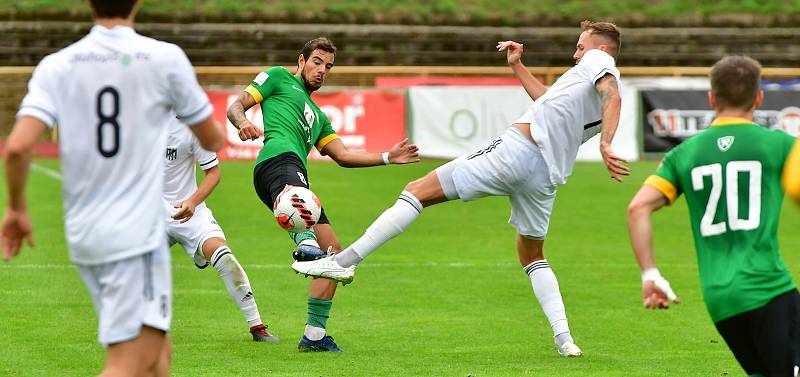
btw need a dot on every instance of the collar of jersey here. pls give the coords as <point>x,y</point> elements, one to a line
<point>730,121</point>
<point>299,81</point>
<point>118,30</point>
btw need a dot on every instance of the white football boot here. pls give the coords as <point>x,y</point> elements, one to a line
<point>326,268</point>
<point>569,349</point>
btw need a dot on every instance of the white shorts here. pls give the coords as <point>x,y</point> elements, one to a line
<point>191,234</point>
<point>512,166</point>
<point>130,293</point>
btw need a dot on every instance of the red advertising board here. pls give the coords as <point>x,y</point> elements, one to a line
<point>366,120</point>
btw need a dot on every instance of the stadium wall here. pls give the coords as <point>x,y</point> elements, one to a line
<point>449,115</point>
<point>250,43</point>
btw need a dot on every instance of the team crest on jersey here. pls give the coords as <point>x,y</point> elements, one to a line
<point>172,153</point>
<point>310,115</point>
<point>724,143</point>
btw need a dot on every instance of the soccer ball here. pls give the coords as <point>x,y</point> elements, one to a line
<point>297,209</point>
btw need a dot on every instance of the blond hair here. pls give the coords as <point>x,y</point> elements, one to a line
<point>605,30</point>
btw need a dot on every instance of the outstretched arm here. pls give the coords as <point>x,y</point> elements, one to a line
<point>16,226</point>
<point>210,180</point>
<point>401,153</point>
<point>656,292</point>
<point>533,86</point>
<point>611,103</point>
<point>247,130</point>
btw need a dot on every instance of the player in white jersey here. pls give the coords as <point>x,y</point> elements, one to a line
<point>527,163</point>
<point>112,94</point>
<point>193,225</point>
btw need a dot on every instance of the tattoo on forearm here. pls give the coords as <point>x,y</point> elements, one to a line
<point>236,112</point>
<point>607,91</point>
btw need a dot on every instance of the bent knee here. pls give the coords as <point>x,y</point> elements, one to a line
<point>421,187</point>
<point>414,186</point>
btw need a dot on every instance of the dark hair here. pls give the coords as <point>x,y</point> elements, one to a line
<point>606,30</point>
<point>112,8</point>
<point>735,81</point>
<point>320,43</point>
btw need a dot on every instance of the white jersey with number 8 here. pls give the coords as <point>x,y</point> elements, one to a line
<point>113,95</point>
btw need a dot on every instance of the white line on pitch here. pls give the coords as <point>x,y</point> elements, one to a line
<point>46,171</point>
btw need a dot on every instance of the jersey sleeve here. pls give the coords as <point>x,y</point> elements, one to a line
<point>189,101</point>
<point>265,83</point>
<point>597,63</point>
<point>206,159</point>
<point>791,173</point>
<point>666,178</point>
<point>38,102</point>
<point>326,135</point>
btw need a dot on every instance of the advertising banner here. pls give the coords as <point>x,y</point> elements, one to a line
<point>447,122</point>
<point>671,116</point>
<point>366,120</point>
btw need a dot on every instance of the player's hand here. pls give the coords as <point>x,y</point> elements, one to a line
<point>615,164</point>
<point>16,228</point>
<point>250,132</point>
<point>657,294</point>
<point>185,211</point>
<point>404,153</point>
<point>514,51</point>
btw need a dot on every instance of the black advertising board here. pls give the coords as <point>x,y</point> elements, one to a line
<point>670,116</point>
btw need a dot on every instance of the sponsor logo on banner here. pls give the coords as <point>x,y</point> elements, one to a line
<point>678,123</point>
<point>788,120</point>
<point>671,116</point>
<point>448,122</point>
<point>364,120</point>
<point>685,123</point>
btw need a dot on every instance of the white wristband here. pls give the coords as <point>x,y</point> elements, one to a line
<point>385,158</point>
<point>650,274</point>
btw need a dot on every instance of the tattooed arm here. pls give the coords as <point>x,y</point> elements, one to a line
<point>247,131</point>
<point>611,103</point>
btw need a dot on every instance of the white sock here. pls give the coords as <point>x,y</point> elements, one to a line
<point>388,225</point>
<point>237,283</point>
<point>545,287</point>
<point>314,333</point>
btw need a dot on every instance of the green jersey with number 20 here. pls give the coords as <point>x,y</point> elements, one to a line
<point>292,121</point>
<point>730,174</point>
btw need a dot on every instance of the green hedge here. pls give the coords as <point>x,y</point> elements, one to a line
<point>454,12</point>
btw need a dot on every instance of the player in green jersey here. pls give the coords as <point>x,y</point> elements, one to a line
<point>730,175</point>
<point>293,124</point>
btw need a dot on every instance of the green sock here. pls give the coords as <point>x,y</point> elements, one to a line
<point>300,237</point>
<point>318,310</point>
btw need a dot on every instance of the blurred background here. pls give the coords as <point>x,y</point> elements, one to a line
<point>429,70</point>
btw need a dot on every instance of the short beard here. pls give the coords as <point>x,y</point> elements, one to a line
<point>309,88</point>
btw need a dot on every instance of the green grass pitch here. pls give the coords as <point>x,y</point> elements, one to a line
<point>447,298</point>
